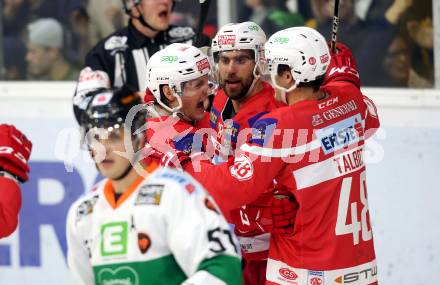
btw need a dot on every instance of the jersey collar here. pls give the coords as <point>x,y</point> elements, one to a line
<point>109,193</point>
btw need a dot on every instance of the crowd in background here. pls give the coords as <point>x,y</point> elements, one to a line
<point>392,40</point>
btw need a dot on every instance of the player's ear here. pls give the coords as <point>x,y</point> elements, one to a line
<point>166,91</point>
<point>287,78</point>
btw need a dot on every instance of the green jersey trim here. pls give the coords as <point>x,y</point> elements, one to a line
<point>224,267</point>
<point>164,270</point>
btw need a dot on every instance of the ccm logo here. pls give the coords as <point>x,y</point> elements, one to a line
<point>328,103</point>
<point>287,273</point>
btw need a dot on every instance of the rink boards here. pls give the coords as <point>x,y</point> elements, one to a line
<point>402,175</point>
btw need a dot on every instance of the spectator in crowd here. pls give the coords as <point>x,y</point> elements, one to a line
<point>186,14</point>
<point>299,6</point>
<point>14,52</point>
<point>376,9</point>
<point>397,61</point>
<point>14,18</point>
<point>105,17</point>
<point>58,9</point>
<point>398,7</point>
<point>270,18</point>
<point>418,22</point>
<point>45,52</point>
<point>77,41</point>
<point>409,61</point>
<point>369,42</point>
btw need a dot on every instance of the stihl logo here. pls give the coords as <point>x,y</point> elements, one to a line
<point>287,273</point>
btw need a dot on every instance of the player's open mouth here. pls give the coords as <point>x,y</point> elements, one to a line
<point>200,105</point>
<point>106,163</point>
<point>164,14</point>
<point>232,83</point>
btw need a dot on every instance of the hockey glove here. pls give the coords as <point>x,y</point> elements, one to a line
<point>284,209</point>
<point>15,150</point>
<point>276,217</point>
<point>174,159</point>
<point>171,158</point>
<point>342,66</point>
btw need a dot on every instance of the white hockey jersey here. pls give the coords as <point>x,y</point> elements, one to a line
<point>164,229</point>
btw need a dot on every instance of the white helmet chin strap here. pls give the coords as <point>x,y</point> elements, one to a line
<point>176,111</point>
<point>176,95</point>
<point>254,81</point>
<point>283,90</point>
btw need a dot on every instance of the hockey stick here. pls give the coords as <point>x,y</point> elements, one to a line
<point>335,27</point>
<point>204,9</point>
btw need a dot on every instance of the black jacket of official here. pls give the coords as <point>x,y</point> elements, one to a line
<point>124,54</point>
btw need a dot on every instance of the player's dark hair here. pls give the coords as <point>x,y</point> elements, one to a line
<point>315,84</point>
<point>282,68</point>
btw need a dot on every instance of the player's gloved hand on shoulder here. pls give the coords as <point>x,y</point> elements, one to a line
<point>174,159</point>
<point>15,150</point>
<point>342,66</point>
<point>171,158</point>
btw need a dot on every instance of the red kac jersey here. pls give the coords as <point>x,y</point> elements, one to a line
<point>315,150</point>
<point>233,131</point>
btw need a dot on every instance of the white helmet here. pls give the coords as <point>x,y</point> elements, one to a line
<point>173,66</point>
<point>238,36</point>
<point>303,49</point>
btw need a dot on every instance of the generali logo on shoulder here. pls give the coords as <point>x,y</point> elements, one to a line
<point>287,273</point>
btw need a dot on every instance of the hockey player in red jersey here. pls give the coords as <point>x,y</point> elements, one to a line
<point>177,91</point>
<point>314,148</point>
<point>238,51</point>
<point>15,150</point>
<point>177,87</point>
